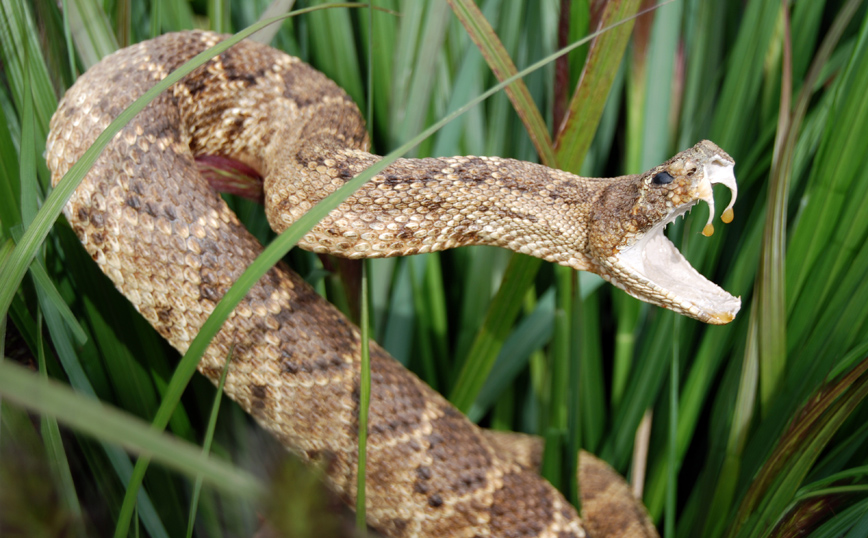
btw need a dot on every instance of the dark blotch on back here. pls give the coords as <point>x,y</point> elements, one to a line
<point>170,212</point>
<point>259,393</point>
<point>306,86</point>
<point>151,208</point>
<point>208,293</point>
<point>164,314</point>
<point>196,85</point>
<point>97,219</point>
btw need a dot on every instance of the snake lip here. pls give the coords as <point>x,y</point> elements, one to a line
<point>655,262</point>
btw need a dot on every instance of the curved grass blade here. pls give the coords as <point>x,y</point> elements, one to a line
<point>501,64</point>
<point>90,29</point>
<point>52,398</point>
<point>810,430</point>
<point>206,443</point>
<point>586,106</point>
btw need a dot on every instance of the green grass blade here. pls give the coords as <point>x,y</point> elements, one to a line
<point>10,188</point>
<point>771,330</point>
<point>88,416</point>
<point>530,335</point>
<point>334,49</point>
<point>16,28</point>
<point>586,106</point>
<point>206,443</point>
<point>90,30</point>
<point>44,283</point>
<point>776,485</point>
<point>503,67</point>
<point>741,87</point>
<point>424,74</point>
<point>490,339</point>
<point>54,446</point>
<point>364,405</point>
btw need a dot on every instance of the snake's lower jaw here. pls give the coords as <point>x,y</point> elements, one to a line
<point>671,282</point>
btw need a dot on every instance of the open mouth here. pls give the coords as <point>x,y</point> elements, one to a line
<point>655,261</point>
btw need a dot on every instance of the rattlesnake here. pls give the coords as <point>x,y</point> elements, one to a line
<point>172,246</point>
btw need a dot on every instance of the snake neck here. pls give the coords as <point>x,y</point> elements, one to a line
<point>426,205</point>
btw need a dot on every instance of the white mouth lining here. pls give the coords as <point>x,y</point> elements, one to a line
<point>655,260</point>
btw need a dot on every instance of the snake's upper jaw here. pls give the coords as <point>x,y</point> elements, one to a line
<point>665,276</point>
<point>718,169</point>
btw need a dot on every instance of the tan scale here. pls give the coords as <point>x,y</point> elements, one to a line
<point>172,246</point>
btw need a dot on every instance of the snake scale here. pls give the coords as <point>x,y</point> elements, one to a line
<point>172,246</point>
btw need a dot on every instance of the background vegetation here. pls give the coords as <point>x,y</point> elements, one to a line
<point>757,428</point>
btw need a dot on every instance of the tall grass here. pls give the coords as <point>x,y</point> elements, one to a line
<point>768,433</point>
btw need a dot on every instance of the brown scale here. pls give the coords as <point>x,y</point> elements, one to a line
<point>172,246</point>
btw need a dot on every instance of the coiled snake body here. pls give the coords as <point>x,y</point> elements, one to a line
<point>172,246</point>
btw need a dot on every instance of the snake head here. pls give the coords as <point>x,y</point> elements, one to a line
<point>629,247</point>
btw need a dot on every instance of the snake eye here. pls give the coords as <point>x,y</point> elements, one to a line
<point>662,178</point>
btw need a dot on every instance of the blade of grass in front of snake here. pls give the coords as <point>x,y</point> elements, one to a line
<point>364,401</point>
<point>54,444</point>
<point>207,440</point>
<point>365,327</point>
<point>91,417</point>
